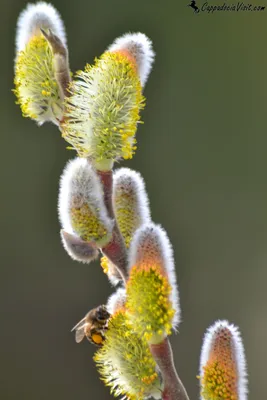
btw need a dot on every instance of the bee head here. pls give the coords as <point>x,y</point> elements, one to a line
<point>102,315</point>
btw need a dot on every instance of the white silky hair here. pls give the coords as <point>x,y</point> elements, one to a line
<point>77,249</point>
<point>80,180</point>
<point>129,181</point>
<point>140,48</point>
<point>152,239</point>
<point>237,348</point>
<point>116,300</point>
<point>114,277</point>
<point>36,16</point>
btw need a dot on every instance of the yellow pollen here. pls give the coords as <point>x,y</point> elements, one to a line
<point>35,85</point>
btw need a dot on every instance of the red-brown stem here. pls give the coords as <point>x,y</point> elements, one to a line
<point>106,178</point>
<point>115,250</point>
<point>173,387</point>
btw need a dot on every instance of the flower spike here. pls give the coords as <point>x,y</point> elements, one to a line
<point>38,70</point>
<point>222,364</point>
<point>130,201</point>
<point>125,362</point>
<point>152,293</point>
<point>102,110</point>
<point>81,207</point>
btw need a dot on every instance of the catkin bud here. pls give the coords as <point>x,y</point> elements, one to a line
<point>81,207</point>
<point>138,47</point>
<point>102,111</point>
<point>222,364</point>
<point>77,249</point>
<point>36,86</point>
<point>125,362</point>
<point>130,202</point>
<point>152,293</point>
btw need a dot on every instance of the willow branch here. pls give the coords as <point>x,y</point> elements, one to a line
<point>117,253</point>
<point>115,250</point>
<point>173,387</point>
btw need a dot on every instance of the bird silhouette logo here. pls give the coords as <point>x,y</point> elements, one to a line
<point>193,5</point>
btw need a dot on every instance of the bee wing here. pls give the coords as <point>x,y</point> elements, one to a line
<point>79,335</point>
<point>79,325</point>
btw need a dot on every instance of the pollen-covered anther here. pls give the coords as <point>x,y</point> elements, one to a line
<point>81,205</point>
<point>125,362</point>
<point>85,222</point>
<point>222,364</point>
<point>151,314</point>
<point>104,264</point>
<point>110,269</point>
<point>36,88</point>
<point>130,202</point>
<point>102,110</point>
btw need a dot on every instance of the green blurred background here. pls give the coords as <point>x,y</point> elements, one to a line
<point>202,152</point>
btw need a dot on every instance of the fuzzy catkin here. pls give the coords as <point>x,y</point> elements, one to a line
<point>103,110</point>
<point>151,249</point>
<point>131,205</point>
<point>222,364</point>
<point>81,205</point>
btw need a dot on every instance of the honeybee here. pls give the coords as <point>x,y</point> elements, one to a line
<point>93,326</point>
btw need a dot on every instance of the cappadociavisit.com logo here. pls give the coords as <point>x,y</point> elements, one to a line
<point>234,7</point>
